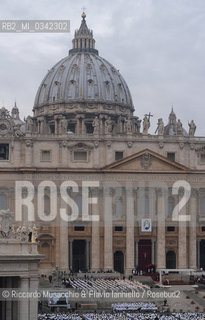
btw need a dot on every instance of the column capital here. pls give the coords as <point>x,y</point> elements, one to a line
<point>194,192</point>
<point>130,192</point>
<point>108,191</point>
<point>159,192</point>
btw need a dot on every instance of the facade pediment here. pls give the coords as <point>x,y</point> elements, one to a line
<point>146,161</point>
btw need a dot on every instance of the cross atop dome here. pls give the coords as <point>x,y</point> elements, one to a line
<point>83,15</point>
<point>83,39</point>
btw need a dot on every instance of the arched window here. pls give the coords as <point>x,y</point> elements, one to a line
<point>202,205</point>
<point>171,204</point>
<point>3,201</point>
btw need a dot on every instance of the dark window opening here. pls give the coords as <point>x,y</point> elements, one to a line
<point>171,156</point>
<point>45,155</point>
<point>89,127</point>
<point>118,155</point>
<point>79,228</point>
<point>203,229</point>
<point>169,229</point>
<point>71,127</point>
<point>202,158</point>
<point>118,228</point>
<point>202,205</point>
<point>52,128</point>
<point>80,155</point>
<point>4,151</point>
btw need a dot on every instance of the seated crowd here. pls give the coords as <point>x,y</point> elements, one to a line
<point>137,306</point>
<point>100,284</point>
<point>122,316</point>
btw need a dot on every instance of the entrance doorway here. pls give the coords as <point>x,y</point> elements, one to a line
<point>202,254</point>
<point>79,255</point>
<point>9,309</point>
<point>119,261</point>
<point>171,260</point>
<point>144,254</point>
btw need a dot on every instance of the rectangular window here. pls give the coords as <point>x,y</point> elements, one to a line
<point>45,155</point>
<point>118,228</point>
<point>89,127</point>
<point>52,128</point>
<point>202,158</point>
<point>170,229</point>
<point>79,228</point>
<point>171,156</point>
<point>4,151</point>
<point>118,155</point>
<point>71,127</point>
<point>203,229</point>
<point>80,155</point>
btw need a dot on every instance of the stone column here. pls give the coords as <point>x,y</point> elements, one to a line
<point>71,254</point>
<point>33,302</point>
<point>63,257</point>
<point>108,241</point>
<point>161,261</point>
<point>63,154</point>
<point>129,231</point>
<point>101,124</point>
<point>153,251</point>
<point>9,302</point>
<point>24,303</point>
<point>136,253</point>
<point>38,126</point>
<point>182,239</point>
<point>78,129</point>
<point>95,246</point>
<point>56,124</point>
<point>83,129</point>
<point>88,255</point>
<point>28,153</point>
<point>192,231</point>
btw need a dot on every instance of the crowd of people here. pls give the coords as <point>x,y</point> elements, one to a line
<point>137,306</point>
<point>122,316</point>
<point>107,284</point>
<point>58,316</point>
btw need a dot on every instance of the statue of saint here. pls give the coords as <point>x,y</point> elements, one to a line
<point>160,127</point>
<point>179,128</point>
<point>108,126</point>
<point>128,126</point>
<point>96,125</point>
<point>17,131</point>
<point>29,124</point>
<point>146,124</point>
<point>192,128</point>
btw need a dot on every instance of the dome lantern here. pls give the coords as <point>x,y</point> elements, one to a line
<point>83,40</point>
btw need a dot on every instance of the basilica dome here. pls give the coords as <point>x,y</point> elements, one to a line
<point>84,76</point>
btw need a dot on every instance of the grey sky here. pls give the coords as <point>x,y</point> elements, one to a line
<point>158,46</point>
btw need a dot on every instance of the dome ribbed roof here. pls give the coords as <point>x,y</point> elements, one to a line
<point>83,76</point>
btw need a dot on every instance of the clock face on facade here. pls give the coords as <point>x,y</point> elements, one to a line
<point>4,127</point>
